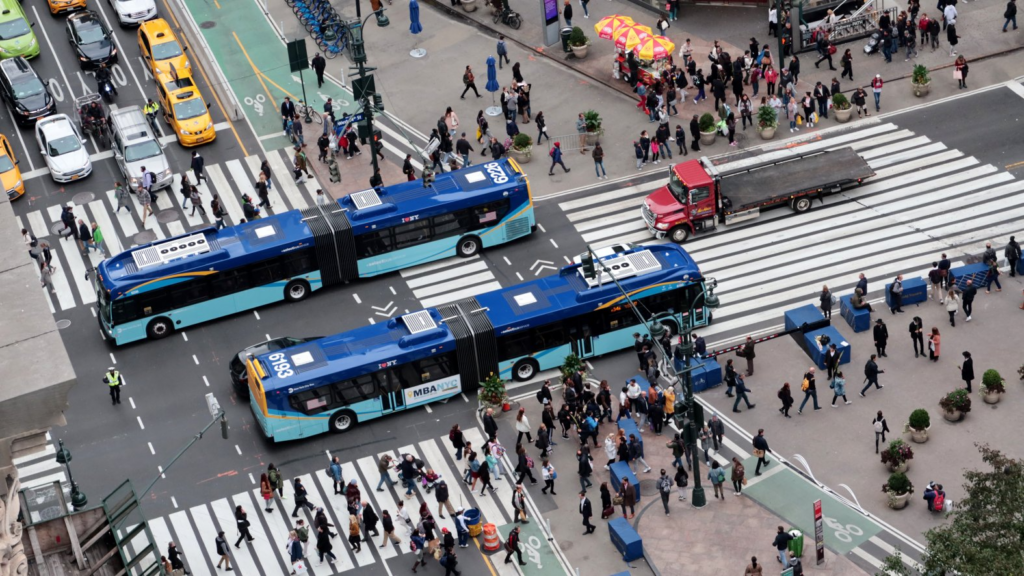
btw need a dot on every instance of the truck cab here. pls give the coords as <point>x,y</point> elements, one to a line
<point>686,205</point>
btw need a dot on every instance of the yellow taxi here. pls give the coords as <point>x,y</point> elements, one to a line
<point>10,175</point>
<point>185,110</point>
<point>58,6</point>
<point>161,49</point>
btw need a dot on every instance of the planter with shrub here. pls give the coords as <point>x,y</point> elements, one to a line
<point>492,392</point>
<point>706,124</point>
<point>578,42</point>
<point>841,108</point>
<point>594,129</point>
<point>897,456</point>
<point>522,148</point>
<point>920,81</point>
<point>898,490</point>
<point>920,422</point>
<point>992,387</point>
<point>767,122</point>
<point>955,405</point>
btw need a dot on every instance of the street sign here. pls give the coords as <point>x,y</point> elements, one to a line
<point>819,533</point>
<point>297,55</point>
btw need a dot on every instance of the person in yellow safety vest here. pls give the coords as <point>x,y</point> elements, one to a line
<point>114,381</point>
<point>150,109</point>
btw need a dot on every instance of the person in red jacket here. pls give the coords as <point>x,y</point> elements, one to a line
<point>876,87</point>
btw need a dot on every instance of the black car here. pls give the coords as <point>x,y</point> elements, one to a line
<point>239,377</point>
<point>26,94</point>
<point>91,39</point>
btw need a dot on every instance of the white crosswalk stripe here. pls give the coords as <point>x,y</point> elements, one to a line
<point>449,280</point>
<point>923,200</point>
<point>228,180</point>
<point>194,530</point>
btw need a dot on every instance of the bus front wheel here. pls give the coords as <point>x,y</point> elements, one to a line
<point>159,328</point>
<point>679,234</point>
<point>342,421</point>
<point>296,290</point>
<point>525,370</point>
<point>468,247</point>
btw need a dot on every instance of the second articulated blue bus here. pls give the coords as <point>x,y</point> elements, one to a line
<point>154,289</point>
<point>332,383</point>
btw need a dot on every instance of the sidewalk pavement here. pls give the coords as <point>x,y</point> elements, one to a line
<point>719,538</point>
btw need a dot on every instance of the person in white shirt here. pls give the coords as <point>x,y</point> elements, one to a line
<point>633,390</point>
<point>773,22</point>
<point>321,198</point>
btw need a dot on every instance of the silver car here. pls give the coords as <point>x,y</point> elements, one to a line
<point>133,12</point>
<point>135,147</point>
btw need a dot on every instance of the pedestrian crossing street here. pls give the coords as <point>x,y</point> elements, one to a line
<point>925,199</point>
<point>195,529</point>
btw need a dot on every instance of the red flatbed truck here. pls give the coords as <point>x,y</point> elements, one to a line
<point>700,195</point>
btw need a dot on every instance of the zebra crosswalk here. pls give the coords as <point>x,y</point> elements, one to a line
<point>450,280</point>
<point>195,529</point>
<point>173,215</point>
<point>925,199</point>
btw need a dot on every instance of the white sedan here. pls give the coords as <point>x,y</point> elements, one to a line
<point>62,147</point>
<point>133,12</point>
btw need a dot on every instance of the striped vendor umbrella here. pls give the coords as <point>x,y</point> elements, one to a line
<point>607,26</point>
<point>628,36</point>
<point>654,48</point>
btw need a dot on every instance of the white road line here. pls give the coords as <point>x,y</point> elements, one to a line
<point>435,289</point>
<point>196,360</point>
<point>867,557</point>
<point>151,450</point>
<point>99,214</point>
<point>435,459</point>
<point>71,93</point>
<point>44,480</point>
<point>227,195</point>
<point>892,550</point>
<point>175,228</point>
<point>492,506</point>
<point>779,467</point>
<point>265,548</point>
<point>279,524</point>
<point>553,243</point>
<point>141,425</point>
<point>368,467</point>
<point>448,274</point>
<point>253,164</point>
<point>243,183</point>
<point>207,382</point>
<point>356,297</point>
<point>283,177</point>
<point>48,452</point>
<point>187,543</point>
<point>38,468</point>
<point>453,296</point>
<point>161,535</point>
<point>75,271</point>
<point>241,557</point>
<point>1016,87</point>
<point>174,501</point>
<point>338,507</point>
<point>179,200</point>
<point>124,219</point>
<point>433,266</point>
<point>207,531</point>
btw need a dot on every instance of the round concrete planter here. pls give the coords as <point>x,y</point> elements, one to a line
<point>919,436</point>
<point>991,397</point>
<point>898,501</point>
<point>766,133</point>
<point>469,5</point>
<point>903,467</point>
<point>953,415</point>
<point>580,51</point>
<point>707,138</point>
<point>520,156</point>
<point>842,116</point>
<point>920,90</point>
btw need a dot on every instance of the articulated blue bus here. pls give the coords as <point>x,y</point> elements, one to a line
<point>152,290</point>
<point>333,383</point>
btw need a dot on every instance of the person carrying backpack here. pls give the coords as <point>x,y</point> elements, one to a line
<point>717,477</point>
<point>556,158</point>
<point>664,489</point>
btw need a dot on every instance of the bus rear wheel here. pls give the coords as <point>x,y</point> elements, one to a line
<point>525,370</point>
<point>296,290</point>
<point>342,421</point>
<point>159,328</point>
<point>468,247</point>
<point>679,234</point>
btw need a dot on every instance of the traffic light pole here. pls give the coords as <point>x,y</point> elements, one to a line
<point>218,416</point>
<point>368,95</point>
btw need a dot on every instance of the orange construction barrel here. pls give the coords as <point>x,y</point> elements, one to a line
<point>491,542</point>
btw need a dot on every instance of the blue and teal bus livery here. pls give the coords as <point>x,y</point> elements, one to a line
<point>152,290</point>
<point>333,383</point>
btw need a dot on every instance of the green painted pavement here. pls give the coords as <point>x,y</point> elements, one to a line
<point>537,552</point>
<point>255,63</point>
<point>787,494</point>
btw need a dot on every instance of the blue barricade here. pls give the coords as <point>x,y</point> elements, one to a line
<point>626,540</point>
<point>817,352</point>
<point>708,375</point>
<point>859,320</point>
<point>621,470</point>
<point>975,272</point>
<point>628,426</point>
<point>803,315</point>
<point>915,291</point>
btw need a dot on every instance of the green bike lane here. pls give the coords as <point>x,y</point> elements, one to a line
<point>254,60</point>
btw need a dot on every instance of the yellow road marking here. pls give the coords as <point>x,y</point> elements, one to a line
<point>217,4</point>
<point>208,83</point>
<point>487,559</point>
<point>259,75</point>
<point>278,86</point>
<point>1014,165</point>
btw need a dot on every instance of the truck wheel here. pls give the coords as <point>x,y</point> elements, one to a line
<point>679,234</point>
<point>159,328</point>
<point>801,205</point>
<point>525,370</point>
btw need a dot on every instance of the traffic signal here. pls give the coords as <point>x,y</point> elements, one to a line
<point>587,262</point>
<point>378,102</point>
<point>377,136</point>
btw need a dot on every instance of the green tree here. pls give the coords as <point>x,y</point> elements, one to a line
<point>894,566</point>
<point>986,533</point>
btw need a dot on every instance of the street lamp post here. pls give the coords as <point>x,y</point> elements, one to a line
<point>685,349</point>
<point>78,498</point>
<point>363,88</point>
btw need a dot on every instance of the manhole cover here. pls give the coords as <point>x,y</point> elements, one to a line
<point>144,237</point>
<point>62,324</point>
<point>207,24</point>
<point>56,227</point>
<point>83,198</point>
<point>165,216</point>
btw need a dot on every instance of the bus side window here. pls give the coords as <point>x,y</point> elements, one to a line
<point>125,310</point>
<point>549,336</point>
<point>312,401</point>
<point>373,243</point>
<point>446,225</point>
<point>300,263</point>
<point>411,234</point>
<point>355,390</point>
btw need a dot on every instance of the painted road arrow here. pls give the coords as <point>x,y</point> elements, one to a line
<point>386,311</point>
<point>540,265</point>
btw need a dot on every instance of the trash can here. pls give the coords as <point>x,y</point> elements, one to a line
<point>473,522</point>
<point>566,33</point>
<point>796,545</point>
